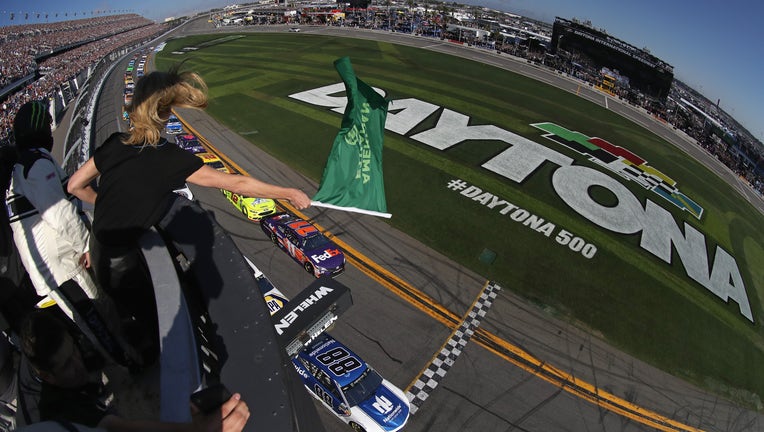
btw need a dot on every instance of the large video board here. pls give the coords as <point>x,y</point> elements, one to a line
<point>646,72</point>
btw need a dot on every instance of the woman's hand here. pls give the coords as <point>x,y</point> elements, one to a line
<point>299,199</point>
<point>247,186</point>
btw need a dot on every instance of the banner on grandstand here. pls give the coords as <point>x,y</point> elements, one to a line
<point>352,178</point>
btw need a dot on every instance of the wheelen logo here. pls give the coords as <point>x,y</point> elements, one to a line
<point>328,253</point>
<point>304,305</point>
<point>622,162</point>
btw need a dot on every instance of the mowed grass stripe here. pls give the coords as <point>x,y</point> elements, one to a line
<point>630,297</point>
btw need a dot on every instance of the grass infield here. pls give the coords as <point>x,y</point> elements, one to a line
<point>625,294</point>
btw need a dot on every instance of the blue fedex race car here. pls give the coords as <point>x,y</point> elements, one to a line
<point>305,244</point>
<point>343,382</point>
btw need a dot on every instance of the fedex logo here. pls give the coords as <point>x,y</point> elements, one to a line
<point>328,253</point>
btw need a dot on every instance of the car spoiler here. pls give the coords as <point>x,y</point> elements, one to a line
<point>311,312</point>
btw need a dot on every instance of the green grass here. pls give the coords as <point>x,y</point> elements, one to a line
<point>633,299</point>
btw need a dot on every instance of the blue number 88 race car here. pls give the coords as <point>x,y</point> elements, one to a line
<point>350,388</point>
<point>344,383</point>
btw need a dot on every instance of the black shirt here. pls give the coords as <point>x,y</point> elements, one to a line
<point>136,186</point>
<point>39,401</point>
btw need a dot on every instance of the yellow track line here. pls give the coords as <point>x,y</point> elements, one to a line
<point>489,341</point>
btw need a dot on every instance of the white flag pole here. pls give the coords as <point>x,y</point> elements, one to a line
<point>351,209</point>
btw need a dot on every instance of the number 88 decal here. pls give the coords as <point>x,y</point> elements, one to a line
<point>339,361</point>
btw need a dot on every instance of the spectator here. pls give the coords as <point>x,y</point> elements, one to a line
<point>8,362</point>
<point>17,295</point>
<point>70,390</point>
<point>49,230</point>
<point>141,168</point>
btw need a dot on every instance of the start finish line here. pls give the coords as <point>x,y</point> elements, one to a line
<point>428,380</point>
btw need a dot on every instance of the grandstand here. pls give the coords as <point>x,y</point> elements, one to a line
<point>52,60</point>
<point>647,74</point>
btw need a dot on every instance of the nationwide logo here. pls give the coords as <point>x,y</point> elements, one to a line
<point>622,162</point>
<point>382,404</point>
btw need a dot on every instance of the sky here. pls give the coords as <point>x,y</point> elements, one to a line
<point>715,47</point>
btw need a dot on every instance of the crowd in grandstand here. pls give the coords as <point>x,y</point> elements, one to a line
<point>51,54</point>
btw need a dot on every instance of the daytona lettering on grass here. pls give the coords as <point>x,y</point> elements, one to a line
<point>714,268</point>
<point>524,217</point>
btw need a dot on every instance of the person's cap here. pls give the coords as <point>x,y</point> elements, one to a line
<point>32,118</point>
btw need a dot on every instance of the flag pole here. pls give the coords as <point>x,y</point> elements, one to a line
<point>351,209</point>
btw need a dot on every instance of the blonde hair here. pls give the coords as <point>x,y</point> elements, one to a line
<point>154,97</point>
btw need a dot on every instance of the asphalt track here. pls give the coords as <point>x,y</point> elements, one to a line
<point>522,370</point>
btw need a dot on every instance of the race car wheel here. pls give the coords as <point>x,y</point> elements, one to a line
<point>308,267</point>
<point>274,239</point>
<point>356,427</point>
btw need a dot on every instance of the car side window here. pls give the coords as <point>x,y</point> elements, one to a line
<point>324,379</point>
<point>290,235</point>
<point>334,388</point>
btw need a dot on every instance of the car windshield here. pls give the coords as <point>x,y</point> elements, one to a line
<point>360,389</point>
<point>315,242</point>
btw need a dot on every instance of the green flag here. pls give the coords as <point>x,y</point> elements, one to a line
<point>352,178</point>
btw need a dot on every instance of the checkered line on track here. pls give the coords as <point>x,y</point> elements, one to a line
<point>451,350</point>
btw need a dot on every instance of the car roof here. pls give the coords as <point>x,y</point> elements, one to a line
<point>324,343</point>
<point>283,218</point>
<point>298,233</point>
<point>208,157</point>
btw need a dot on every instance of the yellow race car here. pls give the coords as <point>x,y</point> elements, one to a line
<point>253,208</point>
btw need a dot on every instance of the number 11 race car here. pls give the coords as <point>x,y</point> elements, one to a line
<point>305,243</point>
